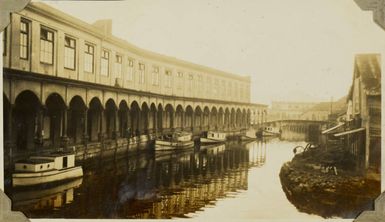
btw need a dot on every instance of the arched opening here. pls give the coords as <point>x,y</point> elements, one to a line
<point>95,120</point>
<point>221,117</point>
<point>238,118</point>
<point>244,117</point>
<point>55,120</point>
<point>232,118</point>
<point>160,118</point>
<point>76,118</point>
<point>189,123</point>
<point>135,118</point>
<point>111,119</point>
<point>178,123</point>
<point>227,118</point>
<point>28,120</point>
<point>248,118</point>
<point>214,118</point>
<point>152,119</point>
<point>168,122</point>
<point>144,118</point>
<point>124,119</point>
<point>6,119</point>
<point>198,117</point>
<point>206,118</point>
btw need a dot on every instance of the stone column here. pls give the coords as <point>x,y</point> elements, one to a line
<point>64,137</point>
<point>101,118</point>
<point>9,144</point>
<point>85,128</point>
<point>183,120</point>
<point>155,128</point>
<point>201,120</point>
<point>172,121</point>
<point>116,133</point>
<point>208,121</point>
<point>40,127</point>
<point>192,121</point>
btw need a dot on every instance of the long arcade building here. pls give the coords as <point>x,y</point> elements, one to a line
<point>69,83</point>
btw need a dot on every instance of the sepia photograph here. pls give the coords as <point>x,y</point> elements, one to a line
<point>199,110</point>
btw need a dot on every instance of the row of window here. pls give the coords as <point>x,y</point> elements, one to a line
<point>47,55</point>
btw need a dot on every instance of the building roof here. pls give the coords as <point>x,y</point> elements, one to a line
<point>368,67</point>
<point>102,29</point>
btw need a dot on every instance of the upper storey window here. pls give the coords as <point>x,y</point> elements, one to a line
<point>142,68</point>
<point>104,63</point>
<point>24,39</point>
<point>118,66</point>
<point>130,70</point>
<point>168,79</point>
<point>89,58</point>
<point>155,76</point>
<point>69,52</point>
<point>190,79</point>
<point>180,80</point>
<point>209,87</point>
<point>200,84</point>
<point>228,89</point>
<point>46,46</point>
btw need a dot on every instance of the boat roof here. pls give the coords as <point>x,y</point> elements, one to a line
<point>35,161</point>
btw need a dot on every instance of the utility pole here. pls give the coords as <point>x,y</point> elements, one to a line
<point>331,105</point>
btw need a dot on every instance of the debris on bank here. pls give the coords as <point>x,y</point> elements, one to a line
<point>326,183</point>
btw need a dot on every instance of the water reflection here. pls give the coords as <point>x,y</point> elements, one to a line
<point>151,185</point>
<point>46,197</point>
<point>174,184</point>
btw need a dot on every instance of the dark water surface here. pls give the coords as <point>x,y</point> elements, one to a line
<point>232,181</point>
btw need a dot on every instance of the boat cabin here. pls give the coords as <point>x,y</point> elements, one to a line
<point>216,135</point>
<point>34,165</point>
<point>53,161</point>
<point>179,136</point>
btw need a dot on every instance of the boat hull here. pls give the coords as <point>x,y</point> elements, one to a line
<point>247,138</point>
<point>207,141</point>
<point>35,178</point>
<point>167,145</point>
<point>266,133</point>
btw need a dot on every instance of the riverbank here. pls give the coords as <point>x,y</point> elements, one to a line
<point>329,190</point>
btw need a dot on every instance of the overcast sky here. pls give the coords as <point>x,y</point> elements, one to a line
<point>297,50</point>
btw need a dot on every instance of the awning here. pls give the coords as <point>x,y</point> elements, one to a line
<point>349,132</point>
<point>333,128</point>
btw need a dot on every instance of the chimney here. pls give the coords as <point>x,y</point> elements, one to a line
<point>104,25</point>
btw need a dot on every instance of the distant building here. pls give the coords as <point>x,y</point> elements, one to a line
<point>288,110</point>
<point>322,111</point>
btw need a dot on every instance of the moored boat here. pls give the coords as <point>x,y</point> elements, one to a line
<point>268,131</point>
<point>174,141</point>
<point>54,167</point>
<point>212,137</point>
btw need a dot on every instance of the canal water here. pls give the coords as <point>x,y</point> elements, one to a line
<point>232,181</point>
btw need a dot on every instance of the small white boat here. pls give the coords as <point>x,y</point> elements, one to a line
<point>268,131</point>
<point>174,141</point>
<point>212,137</point>
<point>43,169</point>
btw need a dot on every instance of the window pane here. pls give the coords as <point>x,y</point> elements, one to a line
<point>104,67</point>
<point>46,46</point>
<point>24,43</point>
<point>69,53</point>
